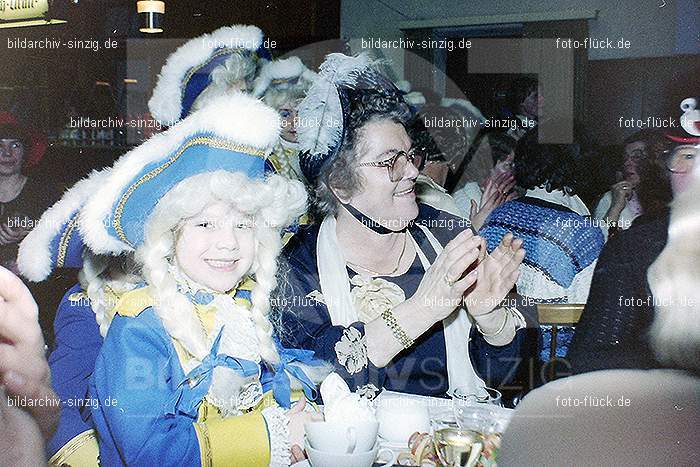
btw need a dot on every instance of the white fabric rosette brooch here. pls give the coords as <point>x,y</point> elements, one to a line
<point>372,296</point>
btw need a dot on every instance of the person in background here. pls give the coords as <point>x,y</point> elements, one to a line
<point>206,67</point>
<point>445,142</point>
<point>23,198</point>
<point>433,132</point>
<point>560,242</point>
<point>614,328</point>
<point>479,199</point>
<point>632,416</point>
<point>620,205</point>
<point>83,315</point>
<point>29,409</point>
<point>524,103</point>
<point>282,84</point>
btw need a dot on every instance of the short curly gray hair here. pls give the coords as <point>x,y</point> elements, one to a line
<point>340,173</point>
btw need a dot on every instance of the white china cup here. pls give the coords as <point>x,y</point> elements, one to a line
<point>400,417</point>
<point>342,437</point>
<point>357,459</point>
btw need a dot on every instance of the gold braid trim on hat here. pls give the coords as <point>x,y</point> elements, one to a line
<point>203,140</point>
<point>192,71</point>
<point>63,242</point>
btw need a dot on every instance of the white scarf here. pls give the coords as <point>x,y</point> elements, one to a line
<point>335,288</point>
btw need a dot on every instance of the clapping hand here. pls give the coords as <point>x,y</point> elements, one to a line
<point>297,418</point>
<point>496,193</point>
<point>441,289</point>
<point>497,273</point>
<point>621,193</point>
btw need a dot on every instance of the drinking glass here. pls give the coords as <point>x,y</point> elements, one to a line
<point>469,396</point>
<point>456,447</point>
<point>478,410</point>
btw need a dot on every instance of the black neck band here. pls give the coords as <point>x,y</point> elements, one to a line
<point>369,222</point>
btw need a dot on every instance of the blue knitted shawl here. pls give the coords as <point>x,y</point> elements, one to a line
<point>558,242</point>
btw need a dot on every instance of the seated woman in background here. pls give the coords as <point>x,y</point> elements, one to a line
<point>22,198</point>
<point>561,244</point>
<point>444,148</point>
<point>621,205</point>
<point>524,103</point>
<point>614,328</point>
<point>378,287</point>
<point>479,199</point>
<point>631,417</point>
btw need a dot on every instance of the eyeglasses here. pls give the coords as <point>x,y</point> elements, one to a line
<point>399,163</point>
<point>682,159</point>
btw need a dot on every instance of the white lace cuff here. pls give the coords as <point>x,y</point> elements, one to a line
<point>277,429</point>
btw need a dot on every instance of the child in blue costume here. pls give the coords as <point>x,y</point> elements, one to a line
<point>179,378</point>
<point>82,317</point>
<point>189,372</point>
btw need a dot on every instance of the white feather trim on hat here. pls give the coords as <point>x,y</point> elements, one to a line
<point>238,118</point>
<point>320,113</point>
<point>35,257</point>
<point>285,69</point>
<point>166,103</point>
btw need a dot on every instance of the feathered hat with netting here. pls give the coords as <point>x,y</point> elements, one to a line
<point>325,111</point>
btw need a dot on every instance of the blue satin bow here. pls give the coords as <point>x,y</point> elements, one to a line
<point>189,397</point>
<point>278,379</point>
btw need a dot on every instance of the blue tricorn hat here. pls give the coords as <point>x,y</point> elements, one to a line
<point>234,133</point>
<point>188,71</point>
<point>55,242</point>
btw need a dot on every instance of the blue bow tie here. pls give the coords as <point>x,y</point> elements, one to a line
<point>279,381</point>
<point>192,390</point>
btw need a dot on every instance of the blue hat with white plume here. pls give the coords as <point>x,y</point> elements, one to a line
<point>323,114</point>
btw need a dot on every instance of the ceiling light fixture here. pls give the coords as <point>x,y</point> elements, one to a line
<point>151,13</point>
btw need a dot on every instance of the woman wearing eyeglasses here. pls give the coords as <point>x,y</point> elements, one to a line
<point>399,295</point>
<point>620,205</point>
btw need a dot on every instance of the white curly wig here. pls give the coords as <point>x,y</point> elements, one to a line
<point>273,203</point>
<point>235,74</point>
<point>104,278</point>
